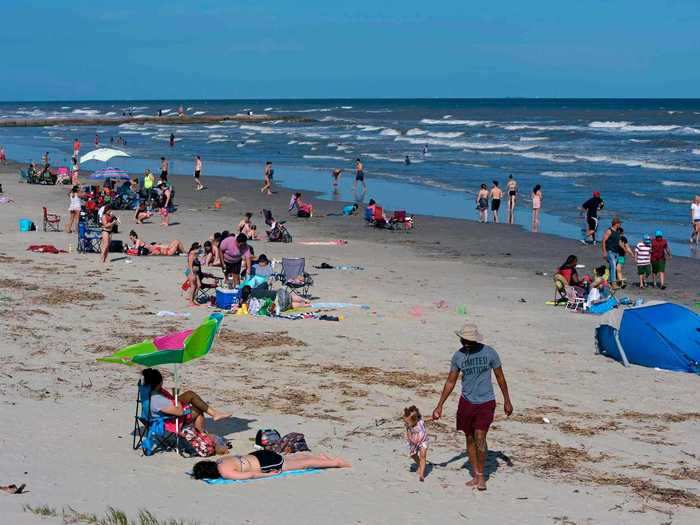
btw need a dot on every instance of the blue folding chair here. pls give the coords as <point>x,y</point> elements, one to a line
<point>149,430</point>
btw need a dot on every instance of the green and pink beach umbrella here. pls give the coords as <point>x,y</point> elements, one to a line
<point>171,349</point>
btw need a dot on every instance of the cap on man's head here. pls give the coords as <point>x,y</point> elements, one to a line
<point>659,233</point>
<point>596,194</point>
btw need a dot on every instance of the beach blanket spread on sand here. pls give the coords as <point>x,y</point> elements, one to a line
<point>285,474</point>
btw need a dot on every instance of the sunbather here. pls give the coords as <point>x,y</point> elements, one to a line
<point>263,463</point>
<point>175,247</point>
<point>189,404</point>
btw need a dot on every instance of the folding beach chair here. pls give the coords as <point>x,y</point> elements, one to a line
<point>295,279</point>
<point>400,219</point>
<point>149,431</point>
<point>52,222</point>
<point>574,301</point>
<point>89,238</point>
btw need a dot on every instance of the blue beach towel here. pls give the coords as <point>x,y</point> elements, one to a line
<point>286,473</point>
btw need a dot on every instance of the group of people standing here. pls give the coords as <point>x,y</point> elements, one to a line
<point>495,195</point>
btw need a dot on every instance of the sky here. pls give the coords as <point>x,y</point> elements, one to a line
<point>231,49</point>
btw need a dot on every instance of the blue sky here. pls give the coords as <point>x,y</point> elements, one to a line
<point>161,49</point>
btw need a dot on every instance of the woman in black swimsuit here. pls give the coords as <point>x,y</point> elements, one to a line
<point>263,463</point>
<point>106,225</point>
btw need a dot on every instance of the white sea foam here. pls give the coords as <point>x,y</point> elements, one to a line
<point>261,129</point>
<point>414,132</point>
<point>65,107</point>
<point>696,152</point>
<point>470,123</point>
<point>638,194</point>
<point>628,127</point>
<point>345,107</point>
<point>463,145</point>
<point>363,127</point>
<point>677,201</point>
<point>367,137</point>
<point>215,136</point>
<point>198,113</point>
<point>87,112</point>
<point>533,139</point>
<point>292,142</point>
<point>110,114</point>
<point>268,109</point>
<point>634,163</point>
<point>216,126</point>
<point>565,174</point>
<point>447,116</point>
<point>674,183</point>
<point>214,141</point>
<point>520,127</point>
<point>390,132</point>
<point>547,156</point>
<point>446,134</point>
<point>608,124</point>
<point>398,160</point>
<point>325,157</point>
<point>306,143</point>
<point>640,141</point>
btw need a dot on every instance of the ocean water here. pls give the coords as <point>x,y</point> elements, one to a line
<point>642,155</point>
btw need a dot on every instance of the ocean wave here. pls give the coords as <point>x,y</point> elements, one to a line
<point>367,137</point>
<point>446,134</point>
<point>633,163</point>
<point>261,129</point>
<point>565,174</point>
<point>216,126</point>
<point>677,201</point>
<point>470,123</point>
<point>215,136</point>
<point>696,152</point>
<point>546,156</point>
<point>306,143</point>
<point>674,183</point>
<point>214,141</point>
<point>88,112</point>
<point>532,139</point>
<point>608,124</point>
<point>398,160</point>
<point>640,141</point>
<point>628,127</point>
<point>198,113</point>
<point>414,132</point>
<point>543,127</point>
<point>390,132</point>
<point>345,107</point>
<point>292,142</point>
<point>638,194</point>
<point>363,127</point>
<point>110,113</point>
<point>465,145</point>
<point>325,157</point>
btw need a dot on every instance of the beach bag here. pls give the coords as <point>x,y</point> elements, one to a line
<point>267,438</point>
<point>116,246</point>
<point>291,444</point>
<point>25,225</point>
<point>202,443</point>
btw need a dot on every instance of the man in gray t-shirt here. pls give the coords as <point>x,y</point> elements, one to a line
<point>477,404</point>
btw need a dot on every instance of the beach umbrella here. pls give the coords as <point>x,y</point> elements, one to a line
<point>103,154</point>
<point>110,173</point>
<point>171,349</point>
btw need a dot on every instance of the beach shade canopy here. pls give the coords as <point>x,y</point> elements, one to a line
<point>170,349</point>
<point>110,173</point>
<point>657,335</point>
<point>103,154</point>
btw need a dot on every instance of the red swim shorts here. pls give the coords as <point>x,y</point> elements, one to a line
<point>474,416</point>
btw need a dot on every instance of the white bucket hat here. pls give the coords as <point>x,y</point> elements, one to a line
<point>470,332</point>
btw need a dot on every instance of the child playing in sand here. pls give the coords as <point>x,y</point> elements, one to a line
<point>416,438</point>
<point>164,216</point>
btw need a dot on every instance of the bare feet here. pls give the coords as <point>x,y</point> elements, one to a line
<point>481,482</point>
<point>218,416</point>
<point>472,483</point>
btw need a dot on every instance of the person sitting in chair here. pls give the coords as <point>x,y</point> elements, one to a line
<point>303,209</point>
<point>189,405</point>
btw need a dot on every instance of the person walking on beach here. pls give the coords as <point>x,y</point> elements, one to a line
<point>659,251</point>
<point>482,203</point>
<point>512,188</point>
<point>73,209</point>
<point>359,176</point>
<point>536,207</point>
<point>198,173</point>
<point>477,404</point>
<point>591,208</point>
<point>267,177</point>
<point>76,148</point>
<point>496,195</point>
<point>612,248</point>
<point>164,169</point>
<point>695,220</point>
<point>642,254</point>
<point>97,140</point>
<point>335,174</point>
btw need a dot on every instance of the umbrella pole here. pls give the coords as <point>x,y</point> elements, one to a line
<point>177,419</point>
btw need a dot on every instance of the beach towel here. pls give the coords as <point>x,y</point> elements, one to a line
<point>285,474</point>
<point>45,248</point>
<point>337,242</point>
<point>334,306</point>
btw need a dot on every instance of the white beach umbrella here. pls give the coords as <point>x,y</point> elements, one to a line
<point>103,154</point>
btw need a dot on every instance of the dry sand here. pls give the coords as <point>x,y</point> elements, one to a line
<point>620,447</point>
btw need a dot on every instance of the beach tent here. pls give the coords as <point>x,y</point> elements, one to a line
<point>658,335</point>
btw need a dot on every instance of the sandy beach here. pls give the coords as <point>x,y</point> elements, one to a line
<point>589,440</point>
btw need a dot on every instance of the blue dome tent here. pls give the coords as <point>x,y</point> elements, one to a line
<point>657,335</point>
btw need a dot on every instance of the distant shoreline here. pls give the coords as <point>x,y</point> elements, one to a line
<point>169,120</point>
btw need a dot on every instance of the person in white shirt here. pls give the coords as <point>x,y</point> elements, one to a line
<point>695,220</point>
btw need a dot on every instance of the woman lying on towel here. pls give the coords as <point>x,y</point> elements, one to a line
<point>138,247</point>
<point>189,404</point>
<point>263,463</point>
